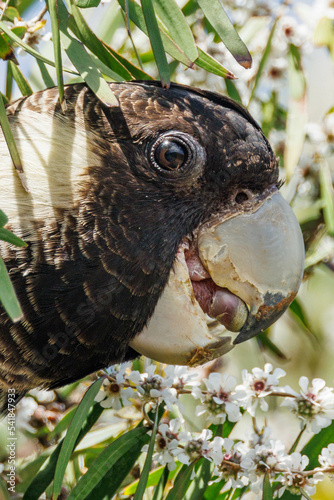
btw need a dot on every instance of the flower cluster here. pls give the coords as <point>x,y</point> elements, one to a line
<point>239,462</point>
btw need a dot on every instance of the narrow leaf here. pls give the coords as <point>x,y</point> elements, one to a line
<point>156,42</point>
<point>210,64</point>
<point>5,49</point>
<point>160,487</point>
<point>22,83</point>
<point>263,61</point>
<point>321,440</point>
<point>73,431</point>
<point>172,17</point>
<point>8,236</point>
<point>267,489</point>
<point>3,219</point>
<point>137,17</point>
<point>148,462</point>
<point>181,483</point>
<point>45,74</point>
<point>13,151</point>
<point>86,4</point>
<point>28,49</point>
<point>7,295</point>
<point>200,482</point>
<point>45,476</point>
<point>217,16</point>
<point>103,463</point>
<point>53,11</point>
<point>83,62</point>
<point>327,195</point>
<point>232,91</point>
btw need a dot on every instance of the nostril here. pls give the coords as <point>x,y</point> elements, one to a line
<point>241,197</point>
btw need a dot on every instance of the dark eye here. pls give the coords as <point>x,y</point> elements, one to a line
<point>173,152</point>
<point>170,155</point>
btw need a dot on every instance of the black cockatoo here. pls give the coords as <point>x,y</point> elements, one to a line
<point>141,222</point>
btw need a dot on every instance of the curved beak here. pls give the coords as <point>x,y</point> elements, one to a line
<point>259,257</point>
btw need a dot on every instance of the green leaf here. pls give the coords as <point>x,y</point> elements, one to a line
<point>172,17</point>
<point>210,64</point>
<point>232,91</point>
<point>86,4</point>
<point>10,14</point>
<point>327,195</point>
<point>45,74</point>
<point>200,482</point>
<point>5,49</point>
<point>8,236</point>
<point>7,295</point>
<point>148,462</point>
<point>264,341</point>
<point>263,61</point>
<point>22,83</point>
<point>217,16</point>
<point>45,476</point>
<point>13,151</point>
<point>3,219</point>
<point>137,17</point>
<point>110,483</point>
<point>11,34</point>
<point>105,461</point>
<point>267,489</point>
<point>83,62</point>
<point>321,440</point>
<point>53,11</point>
<point>160,487</point>
<point>181,483</point>
<point>78,25</point>
<point>156,42</point>
<point>73,431</point>
<point>153,480</point>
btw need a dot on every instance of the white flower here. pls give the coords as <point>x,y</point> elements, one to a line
<point>153,387</point>
<point>220,400</point>
<point>230,462</point>
<point>166,442</point>
<point>257,385</point>
<point>294,478</point>
<point>326,459</point>
<point>314,405</point>
<point>195,447</point>
<point>181,376</point>
<point>114,394</point>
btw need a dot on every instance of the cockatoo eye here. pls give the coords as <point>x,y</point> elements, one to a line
<point>171,155</point>
<point>173,152</point>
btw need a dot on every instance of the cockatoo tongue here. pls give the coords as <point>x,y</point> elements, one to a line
<point>217,302</point>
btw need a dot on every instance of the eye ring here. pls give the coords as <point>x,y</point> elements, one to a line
<point>173,152</point>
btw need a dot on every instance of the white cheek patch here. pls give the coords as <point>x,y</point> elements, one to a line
<point>55,154</point>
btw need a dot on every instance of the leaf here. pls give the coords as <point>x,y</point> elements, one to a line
<point>45,476</point>
<point>327,195</point>
<point>218,18</point>
<point>83,62</point>
<point>137,17</point>
<point>172,17</point>
<point>200,482</point>
<point>53,11</point>
<point>86,4</point>
<point>11,34</point>
<point>7,295</point>
<point>263,61</point>
<point>22,83</point>
<point>153,479</point>
<point>5,49</point>
<point>3,219</point>
<point>148,462</point>
<point>13,151</point>
<point>10,14</point>
<point>181,483</point>
<point>297,112</point>
<point>321,440</point>
<point>267,489</point>
<point>8,236</point>
<point>103,463</point>
<point>210,64</point>
<point>265,341</point>
<point>160,487</point>
<point>232,91</point>
<point>45,74</point>
<point>73,431</point>
<point>110,483</point>
<point>156,42</point>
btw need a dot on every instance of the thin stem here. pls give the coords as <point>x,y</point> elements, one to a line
<point>295,444</point>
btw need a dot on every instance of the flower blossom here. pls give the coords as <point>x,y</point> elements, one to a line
<point>294,478</point>
<point>166,443</point>
<point>219,401</point>
<point>154,388</point>
<point>314,405</point>
<point>114,394</point>
<point>257,385</point>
